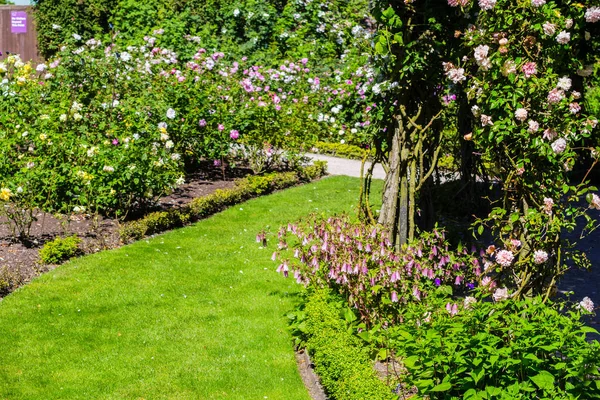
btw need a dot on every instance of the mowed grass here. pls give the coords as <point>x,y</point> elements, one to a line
<point>196,313</point>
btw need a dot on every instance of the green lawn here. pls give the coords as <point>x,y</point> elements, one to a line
<point>197,313</point>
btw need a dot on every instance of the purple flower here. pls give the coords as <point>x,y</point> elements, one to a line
<point>437,282</point>
<point>394,297</point>
<point>202,123</point>
<point>115,142</point>
<point>234,134</point>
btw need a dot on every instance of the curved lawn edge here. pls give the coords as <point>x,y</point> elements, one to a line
<point>197,312</point>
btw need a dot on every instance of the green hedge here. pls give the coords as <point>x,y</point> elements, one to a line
<point>201,207</point>
<point>343,150</point>
<point>342,363</point>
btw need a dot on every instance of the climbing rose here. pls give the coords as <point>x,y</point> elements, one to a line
<point>504,258</point>
<point>487,4</point>
<point>564,83</point>
<point>587,304</point>
<point>559,145</point>
<point>563,37</point>
<point>592,14</point>
<point>533,126</point>
<point>521,114</point>
<point>595,203</point>
<point>555,96</point>
<point>540,256</point>
<point>549,29</point>
<point>574,108</point>
<point>486,120</point>
<point>456,75</point>
<point>529,69</point>
<point>500,294</point>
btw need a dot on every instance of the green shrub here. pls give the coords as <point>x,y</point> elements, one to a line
<point>201,207</point>
<point>60,249</point>
<point>510,349</point>
<point>342,363</point>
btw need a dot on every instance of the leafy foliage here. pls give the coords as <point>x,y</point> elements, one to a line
<point>60,249</point>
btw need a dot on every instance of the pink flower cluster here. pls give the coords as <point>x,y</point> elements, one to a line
<point>592,14</point>
<point>487,5</point>
<point>540,256</point>
<point>505,258</point>
<point>529,69</point>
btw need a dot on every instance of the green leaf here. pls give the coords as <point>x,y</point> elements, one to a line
<point>544,380</point>
<point>442,387</point>
<point>410,362</point>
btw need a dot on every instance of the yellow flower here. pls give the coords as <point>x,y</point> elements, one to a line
<point>162,130</point>
<point>5,194</point>
<point>43,136</point>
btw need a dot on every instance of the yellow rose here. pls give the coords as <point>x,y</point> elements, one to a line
<point>5,194</point>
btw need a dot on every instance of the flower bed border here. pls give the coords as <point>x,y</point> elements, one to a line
<point>201,207</point>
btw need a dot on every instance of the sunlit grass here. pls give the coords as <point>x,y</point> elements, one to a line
<point>197,313</point>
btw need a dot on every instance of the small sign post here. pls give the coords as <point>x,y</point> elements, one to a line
<point>18,22</point>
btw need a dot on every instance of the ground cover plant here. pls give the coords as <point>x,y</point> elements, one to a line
<point>193,313</point>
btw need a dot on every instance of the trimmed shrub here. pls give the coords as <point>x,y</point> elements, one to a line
<point>201,207</point>
<point>342,363</point>
<point>60,249</point>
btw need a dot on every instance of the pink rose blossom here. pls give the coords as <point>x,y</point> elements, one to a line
<point>487,5</point>
<point>234,134</point>
<point>549,29</point>
<point>221,127</point>
<point>595,202</point>
<point>540,256</point>
<point>563,37</point>
<point>564,83</point>
<point>202,122</point>
<point>529,69</point>
<point>504,258</point>
<point>587,304</point>
<point>456,75</point>
<point>555,96</point>
<point>534,126</point>
<point>501,294</point>
<point>486,120</point>
<point>521,114</point>
<point>592,14</point>
<point>559,145</point>
<point>574,108</point>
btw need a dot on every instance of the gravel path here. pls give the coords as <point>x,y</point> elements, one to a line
<point>343,166</point>
<point>582,283</point>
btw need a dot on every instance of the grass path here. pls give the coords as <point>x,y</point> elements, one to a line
<point>197,313</point>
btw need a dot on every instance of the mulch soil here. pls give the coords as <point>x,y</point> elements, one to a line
<point>21,259</point>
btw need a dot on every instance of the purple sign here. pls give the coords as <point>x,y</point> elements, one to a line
<point>18,22</point>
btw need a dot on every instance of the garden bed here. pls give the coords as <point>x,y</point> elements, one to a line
<point>20,260</point>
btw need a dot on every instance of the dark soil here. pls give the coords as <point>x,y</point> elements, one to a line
<point>20,259</point>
